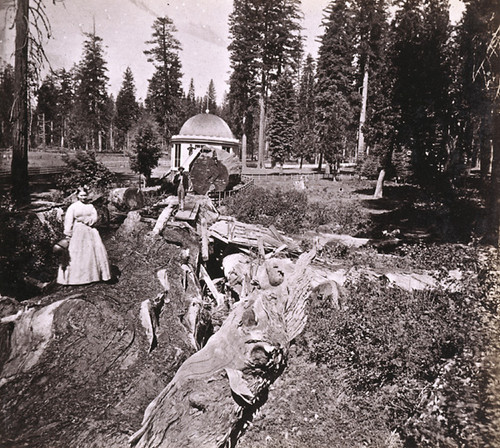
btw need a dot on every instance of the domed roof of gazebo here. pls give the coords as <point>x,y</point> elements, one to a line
<point>207,125</point>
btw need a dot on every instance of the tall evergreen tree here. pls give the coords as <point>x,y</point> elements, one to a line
<point>7,95</point>
<point>191,107</point>
<point>475,101</point>
<point>337,102</point>
<point>479,49</point>
<point>47,107</point>
<point>211,98</point>
<point>164,90</point>
<point>265,40</point>
<point>91,97</point>
<point>66,89</point>
<point>282,119</point>
<point>127,109</point>
<point>376,136</point>
<point>422,83</point>
<point>305,137</point>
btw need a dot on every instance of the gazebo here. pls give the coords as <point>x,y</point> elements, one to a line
<point>200,131</point>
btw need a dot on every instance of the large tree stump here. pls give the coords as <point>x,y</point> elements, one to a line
<point>216,391</point>
<point>214,170</point>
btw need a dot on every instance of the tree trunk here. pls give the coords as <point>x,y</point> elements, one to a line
<point>362,117</point>
<point>243,151</point>
<point>20,143</point>
<point>216,391</point>
<point>379,189</point>
<point>495,180</point>
<point>261,132</point>
<point>111,140</point>
<point>44,138</point>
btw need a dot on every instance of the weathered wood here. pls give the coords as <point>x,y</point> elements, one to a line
<point>204,239</point>
<point>238,233</point>
<point>82,354</point>
<point>215,392</point>
<point>214,170</point>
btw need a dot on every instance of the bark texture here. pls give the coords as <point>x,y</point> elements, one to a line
<point>216,391</point>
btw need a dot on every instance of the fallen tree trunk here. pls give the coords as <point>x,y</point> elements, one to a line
<point>217,390</point>
<point>79,365</point>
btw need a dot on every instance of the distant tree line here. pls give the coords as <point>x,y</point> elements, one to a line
<point>407,93</point>
<point>73,108</point>
<point>401,91</point>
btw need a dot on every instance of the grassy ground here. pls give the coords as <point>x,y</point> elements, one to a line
<point>389,368</point>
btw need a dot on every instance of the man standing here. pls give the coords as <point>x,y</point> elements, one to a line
<point>181,180</point>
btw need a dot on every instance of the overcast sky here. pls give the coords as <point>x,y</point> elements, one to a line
<point>125,26</point>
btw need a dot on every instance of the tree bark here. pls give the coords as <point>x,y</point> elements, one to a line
<point>262,122</point>
<point>215,393</point>
<point>362,116</point>
<point>495,179</point>
<point>20,143</point>
<point>379,189</point>
<point>243,151</point>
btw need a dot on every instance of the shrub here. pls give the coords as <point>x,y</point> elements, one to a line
<point>286,210</point>
<point>82,168</point>
<point>146,149</point>
<point>341,217</point>
<point>291,212</point>
<point>26,250</point>
<point>395,345</point>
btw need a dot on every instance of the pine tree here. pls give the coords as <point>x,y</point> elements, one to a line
<point>376,135</point>
<point>305,137</point>
<point>265,40</point>
<point>91,96</point>
<point>47,107</point>
<point>282,119</point>
<point>211,98</point>
<point>66,89</point>
<point>164,90</point>
<point>127,109</point>
<point>422,84</point>
<point>7,95</point>
<point>191,107</point>
<point>479,50</point>
<point>475,101</point>
<point>337,102</point>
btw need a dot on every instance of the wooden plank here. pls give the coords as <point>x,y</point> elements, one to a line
<point>210,284</point>
<point>188,214</point>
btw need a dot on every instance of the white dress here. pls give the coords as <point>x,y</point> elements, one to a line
<point>88,259</point>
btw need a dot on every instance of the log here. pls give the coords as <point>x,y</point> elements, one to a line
<point>214,170</point>
<point>216,391</point>
<point>80,357</point>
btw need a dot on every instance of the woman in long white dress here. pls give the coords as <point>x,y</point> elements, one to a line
<point>88,259</point>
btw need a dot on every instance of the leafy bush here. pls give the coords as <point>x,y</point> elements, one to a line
<point>286,210</point>
<point>26,250</point>
<point>395,347</point>
<point>146,149</point>
<point>341,217</point>
<point>82,168</point>
<point>291,212</point>
<point>440,257</point>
